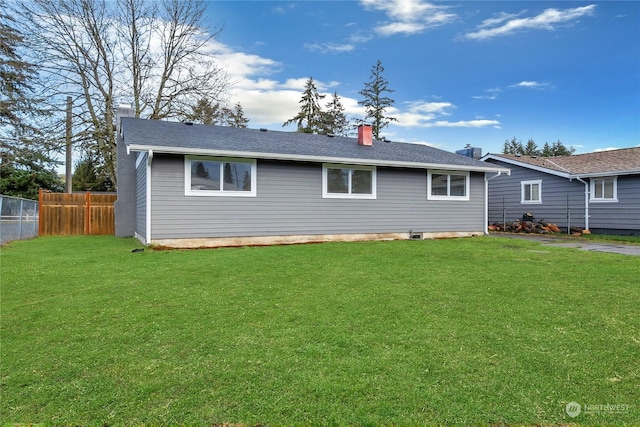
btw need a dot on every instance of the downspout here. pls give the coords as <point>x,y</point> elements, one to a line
<point>486,199</point>
<point>148,204</point>
<point>586,203</point>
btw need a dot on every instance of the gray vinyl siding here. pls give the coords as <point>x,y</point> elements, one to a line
<point>560,197</point>
<point>289,202</point>
<point>621,215</point>
<point>141,197</point>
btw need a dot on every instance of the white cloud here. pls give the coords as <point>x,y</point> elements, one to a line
<point>409,16</point>
<point>429,114</point>
<point>242,64</point>
<point>505,24</point>
<point>466,124</point>
<point>330,47</point>
<point>532,85</point>
<point>483,97</point>
<point>597,150</point>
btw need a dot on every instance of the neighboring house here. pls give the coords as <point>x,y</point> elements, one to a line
<point>597,191</point>
<point>188,185</point>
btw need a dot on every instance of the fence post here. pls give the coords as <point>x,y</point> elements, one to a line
<point>88,213</point>
<point>504,216</point>
<point>20,222</point>
<point>568,216</point>
<point>40,212</point>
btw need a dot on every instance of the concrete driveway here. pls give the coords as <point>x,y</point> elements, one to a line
<point>568,242</point>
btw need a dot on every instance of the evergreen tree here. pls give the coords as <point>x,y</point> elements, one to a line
<point>25,182</point>
<point>26,162</point>
<point>334,119</point>
<point>556,149</point>
<point>16,77</point>
<point>375,100</point>
<point>236,117</point>
<point>310,117</point>
<point>90,175</point>
<point>513,147</point>
<point>531,149</point>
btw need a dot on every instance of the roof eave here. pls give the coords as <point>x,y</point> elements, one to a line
<point>308,158</point>
<point>526,165</point>
<point>607,173</point>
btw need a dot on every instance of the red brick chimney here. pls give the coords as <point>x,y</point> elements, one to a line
<point>365,135</point>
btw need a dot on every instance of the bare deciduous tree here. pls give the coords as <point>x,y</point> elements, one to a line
<point>154,55</point>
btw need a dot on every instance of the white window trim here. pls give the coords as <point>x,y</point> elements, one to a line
<point>448,172</point>
<point>218,193</point>
<point>592,190</point>
<point>531,182</point>
<point>349,195</point>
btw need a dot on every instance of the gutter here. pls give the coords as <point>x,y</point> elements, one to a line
<point>486,198</point>
<point>148,201</point>
<point>586,203</point>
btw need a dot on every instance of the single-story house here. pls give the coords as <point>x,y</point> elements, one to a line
<point>190,185</point>
<point>597,191</point>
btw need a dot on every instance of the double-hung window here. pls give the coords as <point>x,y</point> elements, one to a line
<point>531,192</point>
<point>447,185</point>
<point>604,189</point>
<point>219,176</point>
<point>348,182</point>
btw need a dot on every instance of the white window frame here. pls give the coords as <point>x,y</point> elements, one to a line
<point>448,173</point>
<point>219,193</point>
<point>523,184</point>
<point>327,195</point>
<point>592,190</point>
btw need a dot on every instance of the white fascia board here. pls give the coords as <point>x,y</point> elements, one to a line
<point>306,158</point>
<point>526,165</point>
<point>601,174</point>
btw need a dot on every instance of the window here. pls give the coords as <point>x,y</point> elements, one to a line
<point>604,189</point>
<point>445,185</point>
<point>353,182</point>
<point>531,191</point>
<point>219,176</point>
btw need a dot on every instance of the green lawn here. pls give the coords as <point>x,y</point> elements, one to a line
<point>464,331</point>
<point>634,240</point>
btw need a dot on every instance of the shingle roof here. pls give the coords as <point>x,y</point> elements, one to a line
<point>612,161</point>
<point>176,137</point>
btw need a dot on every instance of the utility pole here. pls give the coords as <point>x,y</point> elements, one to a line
<point>68,174</point>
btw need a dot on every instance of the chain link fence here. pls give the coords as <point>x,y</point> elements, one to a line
<point>18,218</point>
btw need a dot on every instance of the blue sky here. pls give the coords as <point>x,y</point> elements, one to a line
<point>465,72</point>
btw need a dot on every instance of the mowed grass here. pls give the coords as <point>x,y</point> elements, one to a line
<point>464,331</point>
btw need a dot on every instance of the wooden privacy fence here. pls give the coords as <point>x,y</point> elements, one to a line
<point>78,213</point>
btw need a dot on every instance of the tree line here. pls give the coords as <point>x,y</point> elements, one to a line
<point>517,148</point>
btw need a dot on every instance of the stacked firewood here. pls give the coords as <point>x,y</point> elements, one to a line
<point>520,226</point>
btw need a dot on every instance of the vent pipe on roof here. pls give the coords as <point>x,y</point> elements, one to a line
<point>365,135</point>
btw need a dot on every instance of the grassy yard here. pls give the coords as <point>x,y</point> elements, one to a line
<point>634,240</point>
<point>465,331</point>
